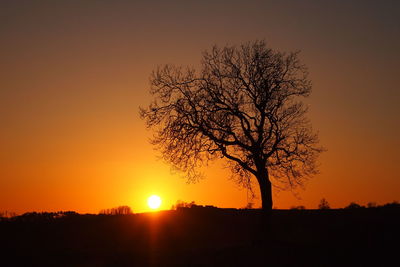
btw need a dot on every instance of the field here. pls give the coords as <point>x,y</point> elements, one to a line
<point>204,237</point>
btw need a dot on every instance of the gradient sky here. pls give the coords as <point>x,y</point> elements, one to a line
<point>73,74</point>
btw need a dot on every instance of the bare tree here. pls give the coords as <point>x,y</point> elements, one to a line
<point>242,105</point>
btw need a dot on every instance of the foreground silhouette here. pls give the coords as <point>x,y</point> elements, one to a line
<point>243,105</point>
<point>203,236</point>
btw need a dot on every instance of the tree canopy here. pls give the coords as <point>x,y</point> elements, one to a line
<point>242,105</point>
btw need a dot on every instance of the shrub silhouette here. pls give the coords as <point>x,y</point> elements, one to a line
<point>182,204</point>
<point>394,204</point>
<point>7,214</point>
<point>249,205</point>
<point>354,205</point>
<point>324,205</point>
<point>301,207</point>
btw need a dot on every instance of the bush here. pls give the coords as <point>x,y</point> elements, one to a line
<point>249,206</point>
<point>324,205</point>
<point>182,204</point>
<point>298,207</point>
<point>354,205</point>
<point>7,214</point>
<point>394,204</point>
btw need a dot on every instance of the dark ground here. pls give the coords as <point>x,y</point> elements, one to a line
<point>205,237</point>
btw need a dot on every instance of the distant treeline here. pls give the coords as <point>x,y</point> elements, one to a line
<point>42,216</point>
<point>126,210</point>
<point>324,205</point>
<point>121,210</point>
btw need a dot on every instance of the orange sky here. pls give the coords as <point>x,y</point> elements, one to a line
<point>73,74</point>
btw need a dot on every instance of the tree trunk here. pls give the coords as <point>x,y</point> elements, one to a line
<point>266,199</point>
<point>266,190</point>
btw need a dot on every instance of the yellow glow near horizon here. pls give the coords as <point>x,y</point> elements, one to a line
<point>154,202</point>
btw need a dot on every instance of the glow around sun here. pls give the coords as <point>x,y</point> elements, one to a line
<point>154,202</point>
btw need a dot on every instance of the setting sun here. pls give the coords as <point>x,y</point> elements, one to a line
<point>154,202</point>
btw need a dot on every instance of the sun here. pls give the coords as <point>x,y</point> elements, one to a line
<point>154,202</point>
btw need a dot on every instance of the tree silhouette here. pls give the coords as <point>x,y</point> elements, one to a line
<point>324,204</point>
<point>242,105</point>
<point>120,210</point>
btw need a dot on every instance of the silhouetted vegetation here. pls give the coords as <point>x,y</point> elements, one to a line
<point>7,214</point>
<point>249,205</point>
<point>324,205</point>
<point>121,210</point>
<point>394,205</point>
<point>354,205</point>
<point>43,216</point>
<point>244,106</point>
<point>298,208</point>
<point>196,235</point>
<point>182,204</point>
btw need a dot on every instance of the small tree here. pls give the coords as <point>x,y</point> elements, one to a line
<point>243,106</point>
<point>324,205</point>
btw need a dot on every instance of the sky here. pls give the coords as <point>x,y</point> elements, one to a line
<point>74,73</point>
